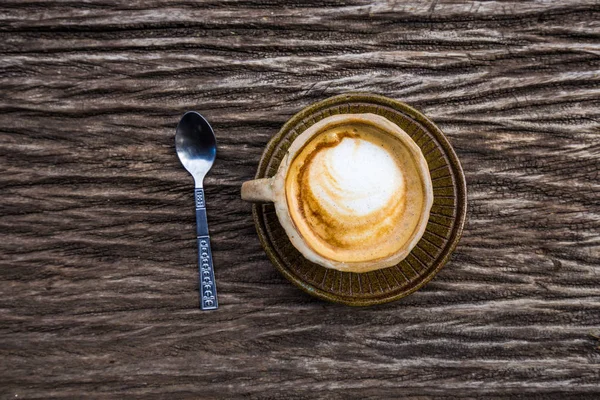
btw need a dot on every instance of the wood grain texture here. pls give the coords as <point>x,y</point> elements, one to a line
<point>98,281</point>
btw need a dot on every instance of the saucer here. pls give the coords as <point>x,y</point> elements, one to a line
<point>443,231</point>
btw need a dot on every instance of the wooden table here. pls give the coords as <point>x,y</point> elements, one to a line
<point>98,277</point>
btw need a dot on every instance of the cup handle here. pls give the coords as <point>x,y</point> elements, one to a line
<point>258,190</point>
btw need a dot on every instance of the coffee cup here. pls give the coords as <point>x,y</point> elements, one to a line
<point>353,193</point>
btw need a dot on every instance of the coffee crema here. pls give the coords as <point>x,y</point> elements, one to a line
<point>354,193</point>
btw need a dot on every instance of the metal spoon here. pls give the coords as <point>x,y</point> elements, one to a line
<point>197,148</point>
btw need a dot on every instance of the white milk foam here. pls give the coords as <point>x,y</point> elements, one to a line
<point>355,177</point>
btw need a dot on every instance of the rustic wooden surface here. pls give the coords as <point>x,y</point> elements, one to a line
<point>98,279</point>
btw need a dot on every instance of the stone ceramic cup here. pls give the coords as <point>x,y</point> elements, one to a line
<point>273,190</point>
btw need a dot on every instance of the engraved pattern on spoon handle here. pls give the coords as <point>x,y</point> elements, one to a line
<point>208,286</point>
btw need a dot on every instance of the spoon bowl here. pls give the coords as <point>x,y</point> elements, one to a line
<point>196,145</point>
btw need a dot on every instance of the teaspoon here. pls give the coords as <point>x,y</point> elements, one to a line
<point>197,149</point>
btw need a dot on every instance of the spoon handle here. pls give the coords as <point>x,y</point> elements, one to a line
<point>208,286</point>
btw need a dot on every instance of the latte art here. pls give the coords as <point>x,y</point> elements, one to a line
<point>354,193</point>
<point>354,178</point>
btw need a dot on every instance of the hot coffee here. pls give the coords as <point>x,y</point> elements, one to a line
<point>354,193</point>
